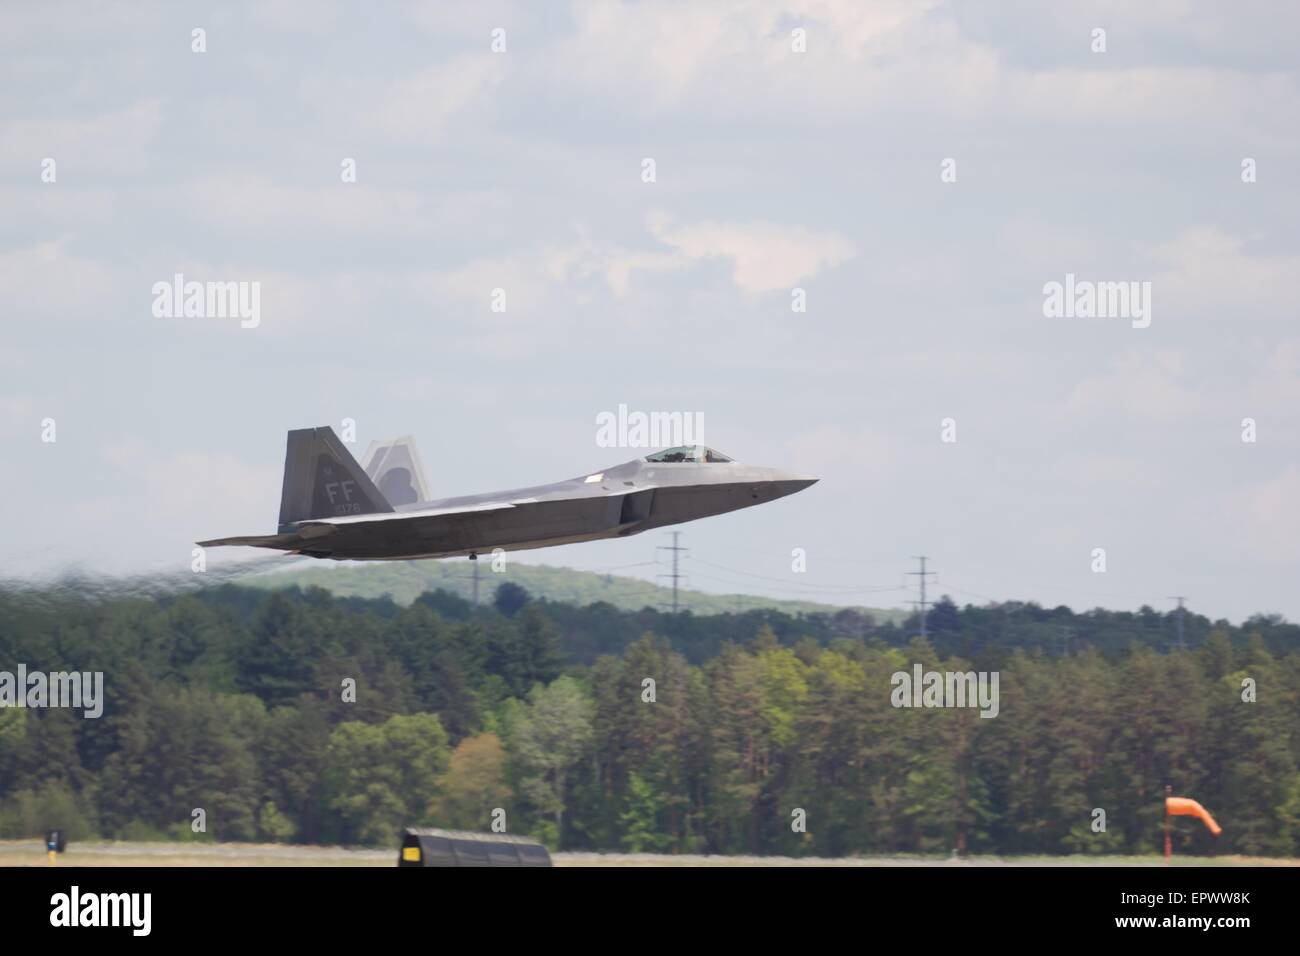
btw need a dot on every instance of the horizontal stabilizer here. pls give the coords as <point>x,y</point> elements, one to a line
<point>254,541</point>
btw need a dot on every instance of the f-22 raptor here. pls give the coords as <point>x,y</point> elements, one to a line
<point>331,507</point>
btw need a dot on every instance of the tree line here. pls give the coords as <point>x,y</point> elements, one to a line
<point>296,716</point>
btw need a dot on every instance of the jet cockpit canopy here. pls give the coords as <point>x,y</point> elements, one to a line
<point>695,454</point>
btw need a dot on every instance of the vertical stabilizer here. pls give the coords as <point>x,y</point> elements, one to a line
<point>394,467</point>
<point>322,480</point>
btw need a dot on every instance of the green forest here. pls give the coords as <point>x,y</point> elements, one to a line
<point>298,716</point>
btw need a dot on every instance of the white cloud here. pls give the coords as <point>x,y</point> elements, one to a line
<point>419,108</point>
<point>66,207</point>
<point>1262,521</point>
<point>18,416</point>
<point>734,60</point>
<point>1082,473</point>
<point>471,20</point>
<point>46,279</point>
<point>290,302</point>
<point>1205,271</point>
<point>1146,384</point>
<point>299,16</point>
<point>765,257</point>
<point>87,146</point>
<point>253,201</point>
<point>1275,388</point>
<point>433,106</point>
<point>176,498</point>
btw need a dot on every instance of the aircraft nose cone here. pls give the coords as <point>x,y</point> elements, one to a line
<point>789,484</point>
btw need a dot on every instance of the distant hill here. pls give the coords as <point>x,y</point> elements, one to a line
<point>404,581</point>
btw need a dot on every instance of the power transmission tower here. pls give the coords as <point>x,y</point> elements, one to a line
<point>1182,611</point>
<point>923,603</point>
<point>473,563</point>
<point>676,549</point>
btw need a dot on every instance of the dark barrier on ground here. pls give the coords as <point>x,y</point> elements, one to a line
<point>55,843</point>
<point>428,847</point>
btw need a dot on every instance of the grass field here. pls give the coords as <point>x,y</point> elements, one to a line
<point>32,853</point>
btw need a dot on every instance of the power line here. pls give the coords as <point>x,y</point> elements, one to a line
<point>623,567</point>
<point>837,559</point>
<point>983,597</point>
<point>813,595</point>
<point>799,584</point>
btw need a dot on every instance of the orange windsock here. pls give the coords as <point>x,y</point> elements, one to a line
<point>1186,807</point>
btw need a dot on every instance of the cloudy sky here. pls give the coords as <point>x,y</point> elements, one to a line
<point>774,169</point>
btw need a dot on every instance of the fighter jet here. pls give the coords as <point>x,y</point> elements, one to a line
<point>331,507</point>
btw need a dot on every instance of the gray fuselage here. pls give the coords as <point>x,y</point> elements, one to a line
<point>627,499</point>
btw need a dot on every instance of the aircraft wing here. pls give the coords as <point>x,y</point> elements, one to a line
<point>401,515</point>
<point>324,527</point>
